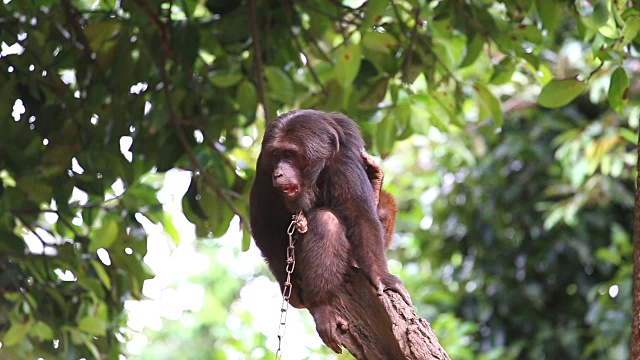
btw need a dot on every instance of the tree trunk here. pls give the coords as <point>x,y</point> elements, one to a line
<point>635,318</point>
<point>383,327</point>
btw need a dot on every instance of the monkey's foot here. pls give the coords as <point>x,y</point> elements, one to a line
<point>391,282</point>
<point>327,323</point>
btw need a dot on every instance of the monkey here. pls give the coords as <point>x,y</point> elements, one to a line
<point>312,161</point>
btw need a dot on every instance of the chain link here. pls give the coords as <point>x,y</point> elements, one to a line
<point>298,222</point>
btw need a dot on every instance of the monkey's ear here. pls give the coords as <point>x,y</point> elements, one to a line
<point>336,140</point>
<point>335,132</point>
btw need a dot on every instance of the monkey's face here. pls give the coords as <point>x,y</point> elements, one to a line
<point>289,176</point>
<point>287,173</point>
<point>295,151</point>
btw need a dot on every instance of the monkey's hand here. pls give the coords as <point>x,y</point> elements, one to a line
<point>391,282</point>
<point>327,323</point>
<point>374,173</point>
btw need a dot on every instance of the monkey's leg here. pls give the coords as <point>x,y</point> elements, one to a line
<point>323,261</point>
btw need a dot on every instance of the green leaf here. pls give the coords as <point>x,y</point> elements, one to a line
<point>553,218</point>
<point>141,196</point>
<point>503,71</point>
<point>529,33</point>
<point>549,13</point>
<point>92,347</point>
<point>385,135</point>
<point>102,273</point>
<point>420,120</point>
<point>225,80</point>
<point>98,33</point>
<point>247,98</point>
<point>630,29</point>
<point>11,242</point>
<point>402,116</point>
<point>206,210</point>
<point>92,325</point>
<point>169,228</point>
<point>191,203</point>
<point>618,90</point>
<point>450,52</point>
<point>375,95</point>
<point>608,255</point>
<point>105,236</point>
<point>429,109</point>
<point>59,154</point>
<point>347,65</point>
<point>628,135</point>
<point>601,12</point>
<point>279,84</point>
<point>318,25</point>
<point>91,284</point>
<point>374,12</point>
<point>559,93</point>
<point>246,240</point>
<point>35,189</point>
<point>15,334</point>
<point>382,42</point>
<point>188,6</point>
<point>137,271</point>
<point>185,40</point>
<point>473,49</point>
<point>490,102</point>
<point>445,99</point>
<point>41,331</point>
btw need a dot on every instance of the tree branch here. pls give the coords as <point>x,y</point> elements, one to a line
<point>635,318</point>
<point>407,59</point>
<point>383,327</point>
<point>257,64</point>
<point>421,39</point>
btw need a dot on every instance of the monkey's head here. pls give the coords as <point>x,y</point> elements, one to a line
<point>297,147</point>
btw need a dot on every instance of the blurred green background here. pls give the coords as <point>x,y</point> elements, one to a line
<point>506,131</point>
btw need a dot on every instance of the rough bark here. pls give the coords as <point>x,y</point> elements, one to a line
<point>383,327</point>
<point>635,318</point>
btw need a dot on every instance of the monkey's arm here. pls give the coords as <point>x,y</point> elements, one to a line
<point>387,210</point>
<point>374,173</point>
<point>269,221</point>
<point>385,203</point>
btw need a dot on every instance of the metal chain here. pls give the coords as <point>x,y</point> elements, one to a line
<point>298,222</point>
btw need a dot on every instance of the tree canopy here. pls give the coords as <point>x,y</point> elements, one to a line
<point>507,129</point>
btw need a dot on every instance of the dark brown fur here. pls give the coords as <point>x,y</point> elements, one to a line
<point>312,162</point>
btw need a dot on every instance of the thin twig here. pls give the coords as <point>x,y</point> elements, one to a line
<point>72,20</point>
<point>30,228</point>
<point>595,71</point>
<point>18,213</point>
<point>257,63</point>
<point>407,59</point>
<point>343,19</point>
<point>405,30</point>
<point>175,121</point>
<point>309,38</point>
<point>296,41</point>
<point>214,145</point>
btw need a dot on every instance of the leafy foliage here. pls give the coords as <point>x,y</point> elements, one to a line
<point>107,96</point>
<point>531,283</point>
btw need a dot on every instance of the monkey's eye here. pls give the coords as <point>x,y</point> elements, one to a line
<point>287,154</point>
